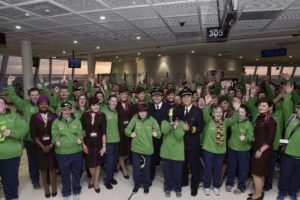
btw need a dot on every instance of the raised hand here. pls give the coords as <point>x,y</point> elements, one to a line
<point>289,88</point>
<point>10,80</point>
<point>236,102</point>
<point>41,78</point>
<point>208,99</point>
<point>133,135</point>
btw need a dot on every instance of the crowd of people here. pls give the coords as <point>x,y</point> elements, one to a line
<point>219,132</point>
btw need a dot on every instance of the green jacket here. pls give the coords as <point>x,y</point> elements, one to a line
<point>241,127</point>
<point>112,130</point>
<point>209,143</point>
<point>67,133</point>
<point>27,108</point>
<point>143,142</point>
<point>292,148</point>
<point>12,146</point>
<point>172,147</point>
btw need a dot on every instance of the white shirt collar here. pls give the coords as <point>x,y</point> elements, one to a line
<point>159,105</point>
<point>188,108</point>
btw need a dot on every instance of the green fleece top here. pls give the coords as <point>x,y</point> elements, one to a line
<point>27,107</point>
<point>292,148</point>
<point>172,147</point>
<point>244,127</point>
<point>277,116</point>
<point>143,142</point>
<point>112,130</point>
<point>210,132</point>
<point>78,112</point>
<point>67,133</point>
<point>11,146</point>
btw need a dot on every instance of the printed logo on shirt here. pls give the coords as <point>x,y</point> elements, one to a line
<point>32,110</point>
<point>60,126</point>
<point>148,127</point>
<point>74,126</point>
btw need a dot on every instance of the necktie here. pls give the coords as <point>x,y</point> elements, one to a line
<point>186,112</point>
<point>157,107</point>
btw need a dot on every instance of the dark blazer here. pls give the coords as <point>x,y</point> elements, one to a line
<point>161,114</point>
<point>195,119</point>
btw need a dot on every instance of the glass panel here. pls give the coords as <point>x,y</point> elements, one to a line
<point>14,65</point>
<point>297,72</point>
<point>103,68</point>
<point>262,70</point>
<point>275,71</point>
<point>249,70</point>
<point>288,70</point>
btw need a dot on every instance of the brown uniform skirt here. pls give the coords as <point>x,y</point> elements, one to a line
<point>259,167</point>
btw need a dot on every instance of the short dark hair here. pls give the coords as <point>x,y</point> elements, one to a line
<point>112,96</point>
<point>32,90</point>
<point>1,98</point>
<point>64,87</point>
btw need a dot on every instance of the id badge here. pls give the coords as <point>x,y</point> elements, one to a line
<point>125,122</point>
<point>283,141</point>
<point>93,134</point>
<point>45,138</point>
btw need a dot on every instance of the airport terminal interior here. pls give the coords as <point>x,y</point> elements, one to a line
<point>185,44</point>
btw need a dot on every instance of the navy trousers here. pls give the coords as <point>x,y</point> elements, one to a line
<point>172,174</point>
<point>32,162</point>
<point>271,168</point>
<point>111,160</point>
<point>289,176</point>
<point>238,160</point>
<point>70,168</point>
<point>155,160</point>
<point>212,168</point>
<point>192,161</point>
<point>141,177</point>
<point>9,172</point>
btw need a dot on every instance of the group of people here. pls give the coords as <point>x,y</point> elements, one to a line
<point>216,131</point>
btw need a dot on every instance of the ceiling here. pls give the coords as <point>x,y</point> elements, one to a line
<point>53,25</point>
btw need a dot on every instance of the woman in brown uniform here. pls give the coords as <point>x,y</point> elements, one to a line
<point>125,113</point>
<point>94,126</point>
<point>40,129</point>
<point>264,134</point>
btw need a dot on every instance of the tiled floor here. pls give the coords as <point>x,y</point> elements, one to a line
<point>123,190</point>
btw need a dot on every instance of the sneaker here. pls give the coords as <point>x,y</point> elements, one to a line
<point>168,193</point>
<point>228,188</point>
<point>178,194</point>
<point>207,191</point>
<point>67,198</point>
<point>216,191</point>
<point>76,196</point>
<point>237,191</point>
<point>146,190</point>
<point>280,197</point>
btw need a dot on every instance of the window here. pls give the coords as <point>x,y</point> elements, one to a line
<point>275,70</point>
<point>288,70</point>
<point>249,70</point>
<point>262,70</point>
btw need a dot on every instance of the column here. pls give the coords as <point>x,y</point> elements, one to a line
<point>91,63</point>
<point>3,71</point>
<point>27,71</point>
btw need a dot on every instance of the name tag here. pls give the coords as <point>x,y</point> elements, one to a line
<point>283,141</point>
<point>94,134</point>
<point>45,138</point>
<point>125,122</point>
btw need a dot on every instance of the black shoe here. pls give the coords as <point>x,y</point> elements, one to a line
<point>135,190</point>
<point>97,190</point>
<point>251,194</point>
<point>53,194</point>
<point>114,181</point>
<point>146,190</point>
<point>90,185</point>
<point>47,195</point>
<point>126,177</point>
<point>108,186</point>
<point>36,186</point>
<point>194,192</point>
<point>184,183</point>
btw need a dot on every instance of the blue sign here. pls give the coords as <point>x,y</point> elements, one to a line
<point>274,52</point>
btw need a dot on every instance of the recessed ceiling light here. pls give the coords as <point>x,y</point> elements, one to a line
<point>47,10</point>
<point>192,51</point>
<point>75,41</point>
<point>138,53</point>
<point>241,57</point>
<point>219,54</point>
<point>159,55</point>
<point>138,37</point>
<point>117,57</point>
<point>53,57</point>
<point>257,59</point>
<point>18,27</point>
<point>137,58</point>
<point>290,56</point>
<point>97,47</point>
<point>27,14</point>
<point>64,52</point>
<point>102,17</point>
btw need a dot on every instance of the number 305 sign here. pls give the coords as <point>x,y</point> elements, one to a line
<point>215,33</point>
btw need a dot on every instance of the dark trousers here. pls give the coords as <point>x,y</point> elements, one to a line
<point>32,162</point>
<point>289,175</point>
<point>9,170</point>
<point>212,168</point>
<point>238,160</point>
<point>141,177</point>
<point>111,160</point>
<point>192,160</point>
<point>271,168</point>
<point>70,166</point>
<point>155,157</point>
<point>172,175</point>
